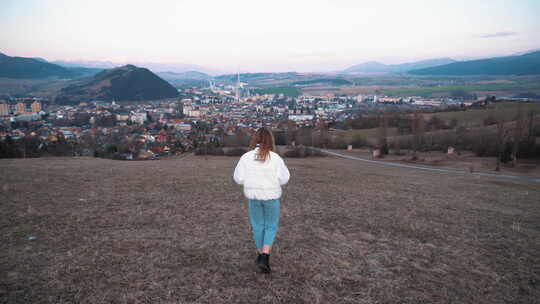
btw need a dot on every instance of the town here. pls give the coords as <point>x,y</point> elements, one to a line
<point>216,115</point>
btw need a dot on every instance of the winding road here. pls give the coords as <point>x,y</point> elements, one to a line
<point>453,171</point>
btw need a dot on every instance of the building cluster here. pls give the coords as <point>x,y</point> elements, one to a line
<point>178,125</point>
<point>22,108</point>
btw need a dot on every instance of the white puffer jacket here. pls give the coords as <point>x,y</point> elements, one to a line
<point>261,180</point>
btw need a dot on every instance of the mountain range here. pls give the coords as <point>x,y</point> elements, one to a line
<point>39,68</point>
<point>185,75</point>
<point>153,66</point>
<point>377,67</point>
<point>32,68</point>
<point>126,83</point>
<point>526,64</point>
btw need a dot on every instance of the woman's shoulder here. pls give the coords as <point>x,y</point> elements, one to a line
<point>275,155</point>
<point>247,154</point>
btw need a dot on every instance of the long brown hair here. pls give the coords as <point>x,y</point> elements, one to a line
<point>264,139</point>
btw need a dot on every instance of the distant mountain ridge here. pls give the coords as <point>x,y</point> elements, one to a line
<point>377,67</point>
<point>153,66</point>
<point>526,64</point>
<point>185,75</point>
<point>255,76</point>
<point>126,83</point>
<point>35,68</point>
<point>87,64</point>
<point>21,67</point>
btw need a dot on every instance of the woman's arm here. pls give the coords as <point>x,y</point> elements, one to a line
<point>240,172</point>
<point>283,172</point>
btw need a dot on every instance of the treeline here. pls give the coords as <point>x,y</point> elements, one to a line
<point>401,121</point>
<point>411,133</point>
<point>32,146</point>
<point>507,140</point>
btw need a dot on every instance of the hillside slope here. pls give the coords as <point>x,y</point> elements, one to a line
<point>183,76</point>
<point>177,231</point>
<point>527,64</point>
<point>21,67</point>
<point>377,67</point>
<point>124,83</point>
<point>38,68</point>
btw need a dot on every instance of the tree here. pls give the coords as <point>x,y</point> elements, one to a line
<point>530,131</point>
<point>290,132</point>
<point>383,134</point>
<point>453,123</point>
<point>500,143</point>
<point>324,138</point>
<point>303,136</point>
<point>518,132</point>
<point>417,127</point>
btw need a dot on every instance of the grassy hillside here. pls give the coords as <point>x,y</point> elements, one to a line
<point>475,117</point>
<point>527,64</point>
<point>21,67</point>
<point>38,68</point>
<point>123,83</point>
<point>430,91</point>
<point>375,67</point>
<point>176,231</point>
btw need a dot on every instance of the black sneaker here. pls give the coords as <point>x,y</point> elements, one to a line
<point>258,260</point>
<point>264,263</point>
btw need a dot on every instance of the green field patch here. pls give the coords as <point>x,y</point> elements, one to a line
<point>287,91</point>
<point>429,91</point>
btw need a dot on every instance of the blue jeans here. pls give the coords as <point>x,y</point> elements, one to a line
<point>264,218</point>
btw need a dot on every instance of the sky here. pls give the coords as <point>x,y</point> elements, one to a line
<point>267,35</point>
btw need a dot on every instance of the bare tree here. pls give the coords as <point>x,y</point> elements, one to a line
<point>417,127</point>
<point>397,145</point>
<point>500,142</point>
<point>303,136</point>
<point>324,135</point>
<point>530,131</point>
<point>518,132</point>
<point>290,132</point>
<point>383,134</point>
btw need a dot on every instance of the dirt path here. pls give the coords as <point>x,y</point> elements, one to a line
<point>454,171</point>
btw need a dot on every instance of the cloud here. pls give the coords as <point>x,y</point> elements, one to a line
<point>495,35</point>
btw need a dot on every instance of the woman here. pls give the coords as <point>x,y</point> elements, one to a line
<point>262,172</point>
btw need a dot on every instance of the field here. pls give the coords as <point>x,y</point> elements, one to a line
<point>475,117</point>
<point>431,91</point>
<point>287,91</point>
<point>471,118</point>
<point>44,88</point>
<point>176,231</point>
<point>465,160</point>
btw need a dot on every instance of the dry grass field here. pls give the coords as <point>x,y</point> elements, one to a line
<point>506,111</point>
<point>176,231</point>
<point>466,161</point>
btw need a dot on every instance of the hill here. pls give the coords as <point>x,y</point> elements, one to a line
<point>527,64</point>
<point>377,67</point>
<point>350,232</point>
<point>124,83</point>
<point>184,76</point>
<point>256,76</point>
<point>319,81</point>
<point>29,68</point>
<point>39,68</point>
<point>152,66</point>
<point>88,64</point>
